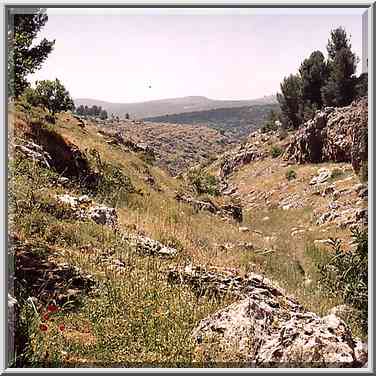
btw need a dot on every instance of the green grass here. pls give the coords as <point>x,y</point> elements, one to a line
<point>134,316</point>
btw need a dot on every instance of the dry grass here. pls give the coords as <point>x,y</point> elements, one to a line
<point>135,317</point>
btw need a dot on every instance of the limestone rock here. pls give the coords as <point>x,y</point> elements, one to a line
<point>103,215</point>
<point>268,328</point>
<point>334,134</point>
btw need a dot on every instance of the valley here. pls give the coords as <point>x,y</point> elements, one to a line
<point>133,259</point>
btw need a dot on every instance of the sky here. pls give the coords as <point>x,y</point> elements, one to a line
<point>125,55</point>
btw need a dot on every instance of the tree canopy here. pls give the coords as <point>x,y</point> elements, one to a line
<point>25,57</point>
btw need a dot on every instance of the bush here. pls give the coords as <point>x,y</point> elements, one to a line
<point>276,151</point>
<point>51,95</point>
<point>346,273</point>
<point>290,174</point>
<point>363,174</point>
<point>203,183</point>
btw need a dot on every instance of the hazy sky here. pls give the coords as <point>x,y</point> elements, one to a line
<point>115,55</point>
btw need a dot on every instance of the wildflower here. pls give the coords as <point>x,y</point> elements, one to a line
<point>61,327</point>
<point>43,327</point>
<point>46,317</point>
<point>52,308</point>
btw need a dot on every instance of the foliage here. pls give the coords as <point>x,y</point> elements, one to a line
<point>346,273</point>
<point>203,183</point>
<point>290,101</point>
<point>25,57</point>
<point>314,73</point>
<point>361,86</point>
<point>92,111</point>
<point>342,62</point>
<point>290,174</point>
<point>51,95</point>
<point>363,174</point>
<point>275,151</point>
<point>271,123</point>
<point>319,82</point>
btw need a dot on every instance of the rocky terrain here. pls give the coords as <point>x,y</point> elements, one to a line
<point>235,123</point>
<point>118,264</point>
<point>176,146</point>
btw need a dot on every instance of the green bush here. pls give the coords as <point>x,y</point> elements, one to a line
<point>346,273</point>
<point>337,173</point>
<point>363,175</point>
<point>275,151</point>
<point>203,183</point>
<point>290,174</point>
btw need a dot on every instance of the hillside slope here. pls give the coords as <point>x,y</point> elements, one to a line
<point>117,264</point>
<point>236,122</point>
<point>159,107</point>
<point>176,147</point>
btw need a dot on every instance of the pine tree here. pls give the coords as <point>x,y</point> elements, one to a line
<point>290,101</point>
<point>24,56</point>
<point>340,89</point>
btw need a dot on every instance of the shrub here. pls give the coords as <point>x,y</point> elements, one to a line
<point>363,174</point>
<point>346,273</point>
<point>51,95</point>
<point>290,174</point>
<point>275,151</point>
<point>336,173</point>
<point>203,183</point>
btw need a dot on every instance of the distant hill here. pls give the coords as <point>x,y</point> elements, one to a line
<point>160,107</point>
<point>236,122</point>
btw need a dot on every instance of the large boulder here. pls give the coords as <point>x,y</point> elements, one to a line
<point>241,156</point>
<point>334,134</point>
<point>267,327</point>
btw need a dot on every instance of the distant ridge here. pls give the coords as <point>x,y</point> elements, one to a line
<point>169,106</point>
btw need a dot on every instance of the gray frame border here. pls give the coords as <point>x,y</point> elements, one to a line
<point>4,176</point>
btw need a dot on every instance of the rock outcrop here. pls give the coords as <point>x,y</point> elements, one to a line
<point>148,246</point>
<point>228,210</point>
<point>238,158</point>
<point>334,134</point>
<point>268,328</point>
<point>35,152</point>
<point>84,208</point>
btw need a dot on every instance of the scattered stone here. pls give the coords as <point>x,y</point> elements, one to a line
<point>34,152</point>
<point>297,232</point>
<point>319,242</point>
<point>103,215</point>
<point>63,181</point>
<point>149,246</point>
<point>322,177</point>
<point>243,229</point>
<point>247,246</point>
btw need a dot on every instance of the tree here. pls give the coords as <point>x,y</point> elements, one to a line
<point>362,85</point>
<point>314,74</point>
<point>24,56</point>
<point>103,115</point>
<point>127,116</point>
<point>53,96</point>
<point>290,101</point>
<point>340,88</point>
